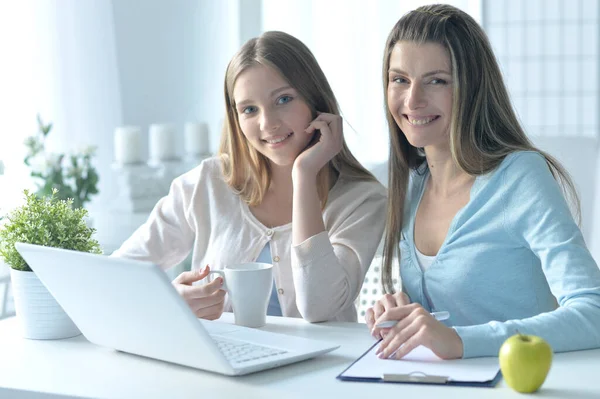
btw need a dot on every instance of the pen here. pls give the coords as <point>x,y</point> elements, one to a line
<point>391,323</point>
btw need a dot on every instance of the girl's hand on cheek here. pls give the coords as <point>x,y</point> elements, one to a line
<point>326,145</point>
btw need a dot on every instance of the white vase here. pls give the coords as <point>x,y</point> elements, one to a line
<point>40,316</point>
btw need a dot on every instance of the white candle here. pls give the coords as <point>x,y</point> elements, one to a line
<point>196,139</point>
<point>128,144</point>
<point>162,142</point>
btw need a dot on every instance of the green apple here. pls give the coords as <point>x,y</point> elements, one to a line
<point>525,361</point>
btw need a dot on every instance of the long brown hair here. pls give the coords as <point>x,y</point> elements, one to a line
<point>484,128</point>
<point>247,170</point>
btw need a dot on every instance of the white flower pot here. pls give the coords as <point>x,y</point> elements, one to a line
<point>41,317</point>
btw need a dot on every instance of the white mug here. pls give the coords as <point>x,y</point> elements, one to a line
<point>249,286</point>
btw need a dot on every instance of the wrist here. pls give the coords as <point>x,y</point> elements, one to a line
<point>303,175</point>
<point>459,348</point>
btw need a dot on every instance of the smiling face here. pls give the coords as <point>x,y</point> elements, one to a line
<point>272,114</point>
<point>419,92</point>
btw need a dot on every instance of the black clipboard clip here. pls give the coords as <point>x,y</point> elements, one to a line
<point>417,377</point>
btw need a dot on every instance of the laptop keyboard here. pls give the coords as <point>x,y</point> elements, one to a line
<point>239,351</point>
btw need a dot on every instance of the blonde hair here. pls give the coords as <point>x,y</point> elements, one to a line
<point>247,170</point>
<point>484,128</point>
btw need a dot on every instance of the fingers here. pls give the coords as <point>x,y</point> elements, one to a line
<point>399,312</point>
<point>329,118</point>
<point>322,126</point>
<point>207,301</point>
<point>204,290</point>
<point>370,318</point>
<point>419,328</point>
<point>401,298</point>
<point>395,313</point>
<point>328,122</point>
<point>389,301</point>
<point>188,278</point>
<point>378,310</point>
<point>206,306</point>
<point>210,313</point>
<point>326,142</point>
<point>410,344</point>
<point>400,331</point>
<point>386,303</point>
<point>398,340</point>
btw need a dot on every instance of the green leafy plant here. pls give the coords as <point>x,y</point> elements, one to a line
<point>73,175</point>
<point>47,221</point>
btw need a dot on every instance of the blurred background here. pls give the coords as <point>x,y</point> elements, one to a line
<point>94,65</point>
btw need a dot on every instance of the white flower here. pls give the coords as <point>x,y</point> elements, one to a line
<point>52,161</point>
<point>30,141</point>
<point>88,151</point>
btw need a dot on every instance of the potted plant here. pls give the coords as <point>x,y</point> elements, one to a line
<point>51,222</point>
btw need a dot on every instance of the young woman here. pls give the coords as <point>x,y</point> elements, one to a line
<point>284,189</point>
<point>476,215</point>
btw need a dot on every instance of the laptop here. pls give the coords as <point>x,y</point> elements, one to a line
<point>131,306</point>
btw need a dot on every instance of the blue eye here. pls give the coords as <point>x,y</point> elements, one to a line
<point>284,99</point>
<point>438,82</point>
<point>249,110</point>
<point>399,79</point>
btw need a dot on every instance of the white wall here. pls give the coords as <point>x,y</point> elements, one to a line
<point>84,102</point>
<point>172,58</point>
<point>60,62</point>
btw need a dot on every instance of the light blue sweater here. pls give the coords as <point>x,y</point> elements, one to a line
<point>510,254</point>
<point>274,308</point>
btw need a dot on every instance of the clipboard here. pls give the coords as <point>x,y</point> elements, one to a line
<point>421,366</point>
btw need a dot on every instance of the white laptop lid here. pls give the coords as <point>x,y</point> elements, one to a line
<point>124,304</point>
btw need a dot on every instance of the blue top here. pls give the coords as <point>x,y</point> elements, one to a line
<point>274,308</point>
<point>510,255</point>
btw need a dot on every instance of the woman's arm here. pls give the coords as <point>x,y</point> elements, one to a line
<point>307,218</point>
<point>329,263</point>
<point>329,267</point>
<point>539,219</point>
<point>166,238</point>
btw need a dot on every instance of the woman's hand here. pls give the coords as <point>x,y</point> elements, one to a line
<point>206,301</point>
<point>416,326</point>
<point>388,301</point>
<point>325,146</point>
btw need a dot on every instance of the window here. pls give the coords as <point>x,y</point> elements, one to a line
<point>549,55</point>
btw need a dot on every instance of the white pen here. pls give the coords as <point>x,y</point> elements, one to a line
<point>391,323</point>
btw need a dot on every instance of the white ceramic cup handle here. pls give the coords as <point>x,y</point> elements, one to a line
<point>222,274</point>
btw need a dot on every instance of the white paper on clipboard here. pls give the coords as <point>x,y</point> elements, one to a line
<point>423,362</point>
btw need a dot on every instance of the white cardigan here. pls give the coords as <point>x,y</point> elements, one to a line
<point>318,279</point>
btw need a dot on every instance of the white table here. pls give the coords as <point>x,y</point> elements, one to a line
<point>76,368</point>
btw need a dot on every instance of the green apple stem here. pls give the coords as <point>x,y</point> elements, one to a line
<point>522,337</point>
